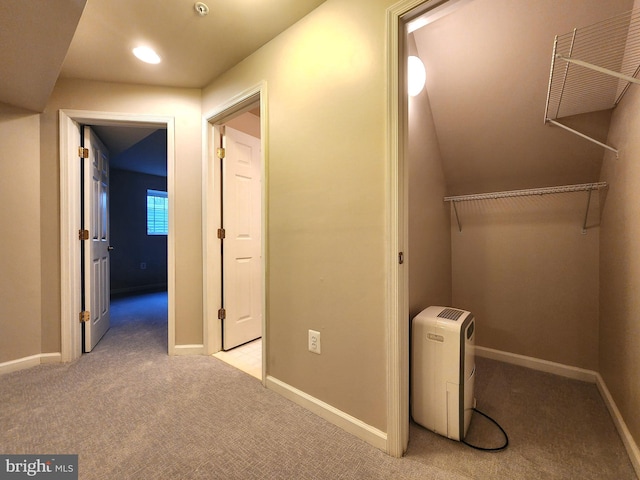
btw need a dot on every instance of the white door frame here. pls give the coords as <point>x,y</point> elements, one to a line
<point>70,260</point>
<point>236,105</point>
<point>398,15</point>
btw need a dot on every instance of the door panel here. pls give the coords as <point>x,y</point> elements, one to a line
<point>242,261</point>
<point>96,251</point>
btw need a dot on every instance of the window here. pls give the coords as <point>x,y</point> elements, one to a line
<point>157,217</point>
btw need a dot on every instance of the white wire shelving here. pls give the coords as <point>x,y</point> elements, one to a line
<point>583,187</point>
<point>592,68</point>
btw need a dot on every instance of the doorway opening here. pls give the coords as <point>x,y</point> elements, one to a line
<point>399,17</point>
<point>71,218</point>
<point>138,228</point>
<point>234,224</point>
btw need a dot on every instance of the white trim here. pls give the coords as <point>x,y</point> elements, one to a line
<point>50,357</point>
<point>212,327</point>
<point>350,424</point>
<point>397,226</point>
<point>20,364</point>
<point>70,329</point>
<point>70,283</point>
<point>195,349</point>
<point>28,362</point>
<point>621,426</point>
<point>576,374</point>
<point>397,418</point>
<point>538,364</point>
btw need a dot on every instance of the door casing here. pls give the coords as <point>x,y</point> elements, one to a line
<point>398,15</point>
<point>70,259</point>
<point>211,215</point>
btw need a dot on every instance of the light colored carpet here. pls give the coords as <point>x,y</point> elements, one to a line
<point>132,412</point>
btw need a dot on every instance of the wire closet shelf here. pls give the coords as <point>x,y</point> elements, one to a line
<point>592,68</point>
<point>582,187</point>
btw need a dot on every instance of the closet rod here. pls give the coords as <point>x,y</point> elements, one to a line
<point>527,192</point>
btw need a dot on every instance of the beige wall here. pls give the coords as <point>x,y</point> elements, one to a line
<point>524,269</point>
<point>620,263</point>
<point>326,191</point>
<point>184,105</point>
<point>429,257</point>
<point>20,239</point>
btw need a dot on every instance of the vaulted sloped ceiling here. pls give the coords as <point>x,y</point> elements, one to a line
<point>488,67</point>
<point>34,38</point>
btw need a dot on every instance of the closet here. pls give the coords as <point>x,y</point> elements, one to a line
<point>525,257</point>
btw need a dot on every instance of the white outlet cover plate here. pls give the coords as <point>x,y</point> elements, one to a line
<point>314,341</point>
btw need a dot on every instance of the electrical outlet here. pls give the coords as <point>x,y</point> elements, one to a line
<point>314,341</point>
<point>143,266</point>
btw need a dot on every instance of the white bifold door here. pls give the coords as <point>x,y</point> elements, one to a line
<point>241,247</point>
<point>96,247</point>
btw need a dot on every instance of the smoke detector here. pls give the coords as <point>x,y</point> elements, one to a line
<point>201,8</point>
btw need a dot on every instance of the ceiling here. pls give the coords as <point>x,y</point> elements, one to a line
<point>194,49</point>
<point>35,36</point>
<point>487,70</point>
<point>119,139</point>
<point>488,65</point>
<point>146,155</point>
<point>43,40</point>
<point>92,39</point>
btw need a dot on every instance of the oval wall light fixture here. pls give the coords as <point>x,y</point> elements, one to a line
<point>146,54</point>
<point>417,75</point>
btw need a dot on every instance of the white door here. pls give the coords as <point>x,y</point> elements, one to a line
<point>96,248</point>
<point>241,219</point>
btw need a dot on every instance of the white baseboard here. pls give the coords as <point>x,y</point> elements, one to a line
<point>538,364</point>
<point>28,362</point>
<point>576,374</point>
<point>627,439</point>
<point>196,349</point>
<point>51,357</point>
<point>339,418</point>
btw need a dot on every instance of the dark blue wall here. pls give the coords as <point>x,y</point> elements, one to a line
<point>132,245</point>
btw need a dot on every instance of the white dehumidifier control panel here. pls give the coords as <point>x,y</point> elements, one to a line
<point>443,370</point>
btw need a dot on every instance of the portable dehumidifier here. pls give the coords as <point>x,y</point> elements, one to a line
<point>443,370</point>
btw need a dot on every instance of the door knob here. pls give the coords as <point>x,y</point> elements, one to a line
<point>109,248</point>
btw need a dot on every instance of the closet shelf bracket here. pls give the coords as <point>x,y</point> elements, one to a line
<point>586,213</point>
<point>587,137</point>
<point>583,187</point>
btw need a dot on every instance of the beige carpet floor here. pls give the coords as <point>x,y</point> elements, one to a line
<point>132,412</point>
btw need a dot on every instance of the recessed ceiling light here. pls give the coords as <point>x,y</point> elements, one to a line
<point>146,54</point>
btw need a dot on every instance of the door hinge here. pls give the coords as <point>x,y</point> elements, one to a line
<point>221,233</point>
<point>220,152</point>
<point>222,314</point>
<point>401,258</point>
<point>83,152</point>
<point>85,316</point>
<point>83,234</point>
